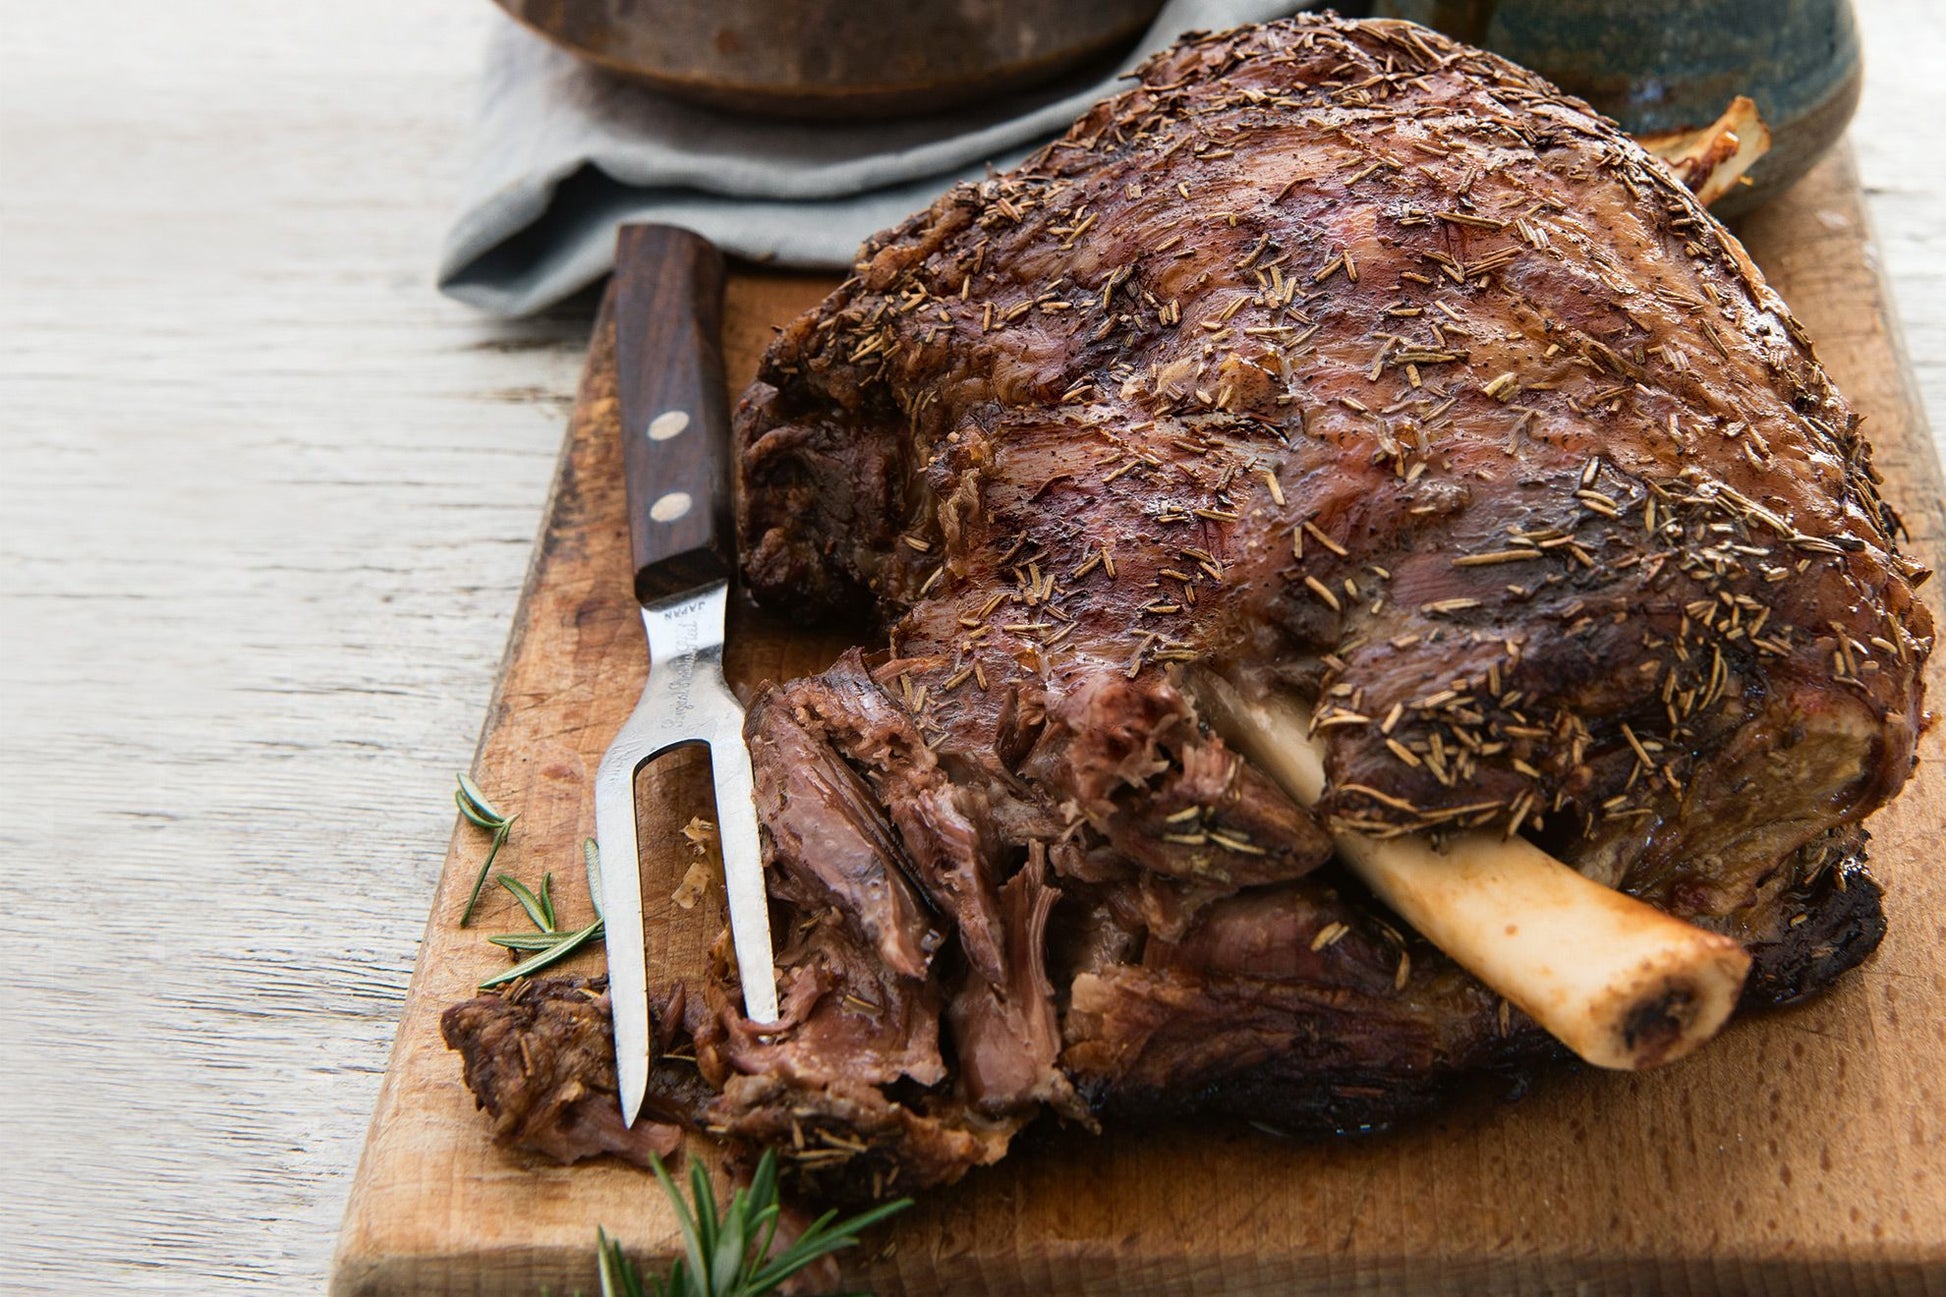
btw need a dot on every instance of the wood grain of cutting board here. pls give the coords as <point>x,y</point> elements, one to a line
<point>1804,1152</point>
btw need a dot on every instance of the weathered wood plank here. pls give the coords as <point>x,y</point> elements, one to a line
<point>265,503</point>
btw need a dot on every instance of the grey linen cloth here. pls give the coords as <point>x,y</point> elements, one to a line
<point>561,155</point>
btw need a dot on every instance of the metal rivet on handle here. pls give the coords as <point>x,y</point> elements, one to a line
<point>667,425</point>
<point>670,507</point>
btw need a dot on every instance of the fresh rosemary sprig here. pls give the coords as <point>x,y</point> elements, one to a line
<point>548,942</point>
<point>619,1277</point>
<point>565,944</point>
<point>477,810</point>
<point>727,1253</point>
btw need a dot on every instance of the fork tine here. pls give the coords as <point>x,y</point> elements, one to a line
<point>743,876</point>
<point>621,908</point>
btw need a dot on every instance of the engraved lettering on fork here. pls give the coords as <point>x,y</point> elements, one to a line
<point>685,650</point>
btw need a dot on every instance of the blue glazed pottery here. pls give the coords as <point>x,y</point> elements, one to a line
<point>1664,65</point>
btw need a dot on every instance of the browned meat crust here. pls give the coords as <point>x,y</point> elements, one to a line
<point>540,1058</point>
<point>1576,462</point>
<point>1341,358</point>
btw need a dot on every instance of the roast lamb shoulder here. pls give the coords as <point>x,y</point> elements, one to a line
<point>1340,359</point>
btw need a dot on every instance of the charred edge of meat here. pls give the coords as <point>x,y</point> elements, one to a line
<point>539,1057</point>
<point>1829,921</point>
<point>1312,1107</point>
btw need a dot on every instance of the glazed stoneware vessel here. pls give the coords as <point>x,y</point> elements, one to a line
<point>836,58</point>
<point>1663,65</point>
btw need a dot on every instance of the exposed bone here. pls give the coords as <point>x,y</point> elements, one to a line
<point>1712,160</point>
<point>1615,980</point>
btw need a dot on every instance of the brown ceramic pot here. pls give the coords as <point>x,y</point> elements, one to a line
<point>836,58</point>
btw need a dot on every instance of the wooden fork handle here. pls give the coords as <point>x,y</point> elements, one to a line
<point>675,412</point>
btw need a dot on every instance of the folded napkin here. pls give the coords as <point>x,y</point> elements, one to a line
<point>562,154</point>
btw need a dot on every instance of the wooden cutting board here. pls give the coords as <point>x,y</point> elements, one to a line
<point>1802,1153</point>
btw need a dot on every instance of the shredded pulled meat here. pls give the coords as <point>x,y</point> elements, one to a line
<point>1338,358</point>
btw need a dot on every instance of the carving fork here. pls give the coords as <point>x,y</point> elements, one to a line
<point>675,453</point>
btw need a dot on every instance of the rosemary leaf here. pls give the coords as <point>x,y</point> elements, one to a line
<point>823,1238</point>
<point>686,1225</point>
<point>529,940</point>
<point>619,1277</point>
<point>479,879</point>
<point>473,804</point>
<point>707,1221</point>
<point>763,1189</point>
<point>566,946</point>
<point>591,857</point>
<point>732,1236</point>
<point>472,815</point>
<point>537,909</point>
<point>547,900</point>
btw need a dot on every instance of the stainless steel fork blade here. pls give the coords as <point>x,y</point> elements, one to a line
<point>686,700</point>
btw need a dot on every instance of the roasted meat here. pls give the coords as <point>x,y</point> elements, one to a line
<point>540,1058</point>
<point>1339,359</point>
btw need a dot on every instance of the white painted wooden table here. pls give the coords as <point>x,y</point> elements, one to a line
<point>265,504</point>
